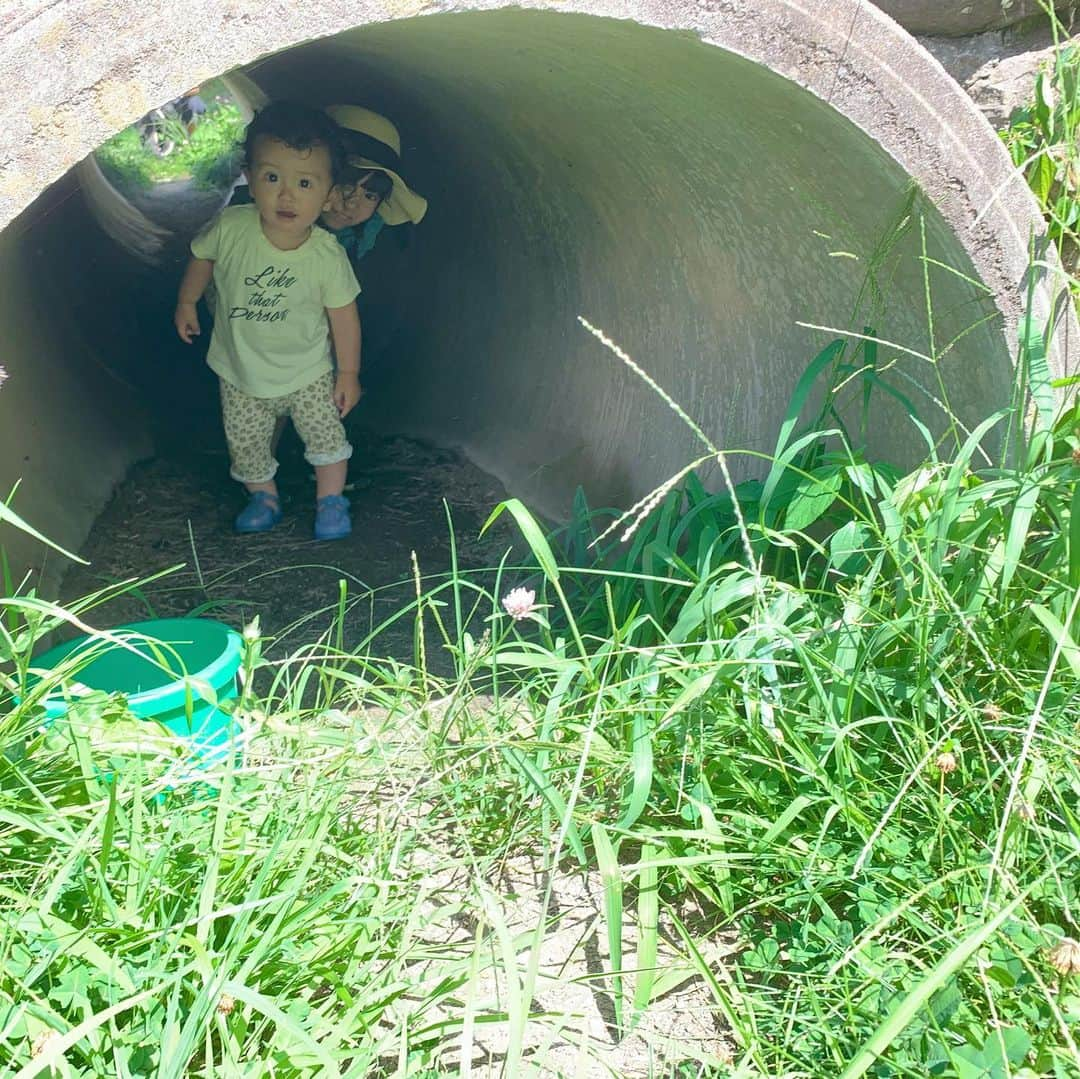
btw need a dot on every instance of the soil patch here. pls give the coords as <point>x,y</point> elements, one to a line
<point>173,516</point>
<point>527,929</point>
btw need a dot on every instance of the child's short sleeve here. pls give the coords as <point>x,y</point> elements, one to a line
<point>341,286</point>
<point>207,243</point>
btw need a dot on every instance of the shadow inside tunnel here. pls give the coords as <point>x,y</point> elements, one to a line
<point>173,516</point>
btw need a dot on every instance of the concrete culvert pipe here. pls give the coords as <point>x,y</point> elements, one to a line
<point>697,179</point>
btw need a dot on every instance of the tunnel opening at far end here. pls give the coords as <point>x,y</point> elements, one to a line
<point>715,219</point>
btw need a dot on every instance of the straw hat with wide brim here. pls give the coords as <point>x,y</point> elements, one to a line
<point>372,142</point>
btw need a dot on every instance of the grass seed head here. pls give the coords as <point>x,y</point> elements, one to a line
<point>1065,956</point>
<point>946,762</point>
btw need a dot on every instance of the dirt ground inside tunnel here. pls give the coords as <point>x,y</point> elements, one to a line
<point>175,512</point>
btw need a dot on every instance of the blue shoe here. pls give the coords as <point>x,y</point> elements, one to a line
<point>332,519</point>
<point>260,514</point>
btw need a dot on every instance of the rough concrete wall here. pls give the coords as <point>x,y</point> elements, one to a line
<point>996,68</point>
<point>965,16</point>
<point>696,201</point>
<point>68,425</point>
<point>697,237</point>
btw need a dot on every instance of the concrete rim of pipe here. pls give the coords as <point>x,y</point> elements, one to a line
<point>89,69</point>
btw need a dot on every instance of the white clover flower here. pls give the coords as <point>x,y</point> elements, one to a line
<point>519,603</point>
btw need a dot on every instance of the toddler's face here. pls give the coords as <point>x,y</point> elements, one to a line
<point>289,187</point>
<point>350,206</point>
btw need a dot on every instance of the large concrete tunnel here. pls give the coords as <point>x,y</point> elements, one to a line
<point>698,179</point>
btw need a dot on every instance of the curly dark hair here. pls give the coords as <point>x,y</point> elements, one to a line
<point>300,127</point>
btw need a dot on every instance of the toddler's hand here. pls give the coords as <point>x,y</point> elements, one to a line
<point>186,320</point>
<point>346,392</point>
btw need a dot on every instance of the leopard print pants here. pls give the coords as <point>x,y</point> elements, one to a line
<point>250,421</point>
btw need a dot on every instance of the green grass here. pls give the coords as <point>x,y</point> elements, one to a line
<point>209,156</point>
<point>743,710</point>
<point>784,667</point>
<point>1042,140</point>
<point>829,711</point>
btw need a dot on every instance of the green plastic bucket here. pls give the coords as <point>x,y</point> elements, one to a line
<point>163,674</point>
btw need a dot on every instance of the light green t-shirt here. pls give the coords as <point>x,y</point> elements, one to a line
<point>271,333</point>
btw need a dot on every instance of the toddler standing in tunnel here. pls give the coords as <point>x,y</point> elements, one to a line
<point>280,284</point>
<point>370,195</point>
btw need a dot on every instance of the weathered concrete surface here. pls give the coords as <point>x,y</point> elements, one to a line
<point>957,17</point>
<point>996,69</point>
<point>964,58</point>
<point>69,424</point>
<point>695,178</point>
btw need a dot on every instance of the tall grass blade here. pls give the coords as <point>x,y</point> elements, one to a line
<point>1074,539</point>
<point>9,516</point>
<point>803,388</point>
<point>648,910</point>
<point>1019,524</point>
<point>1037,370</point>
<point>543,786</point>
<point>1061,637</point>
<point>532,532</point>
<point>611,879</point>
<point>641,764</point>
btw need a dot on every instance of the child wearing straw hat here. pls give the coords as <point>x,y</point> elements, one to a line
<point>371,196</point>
